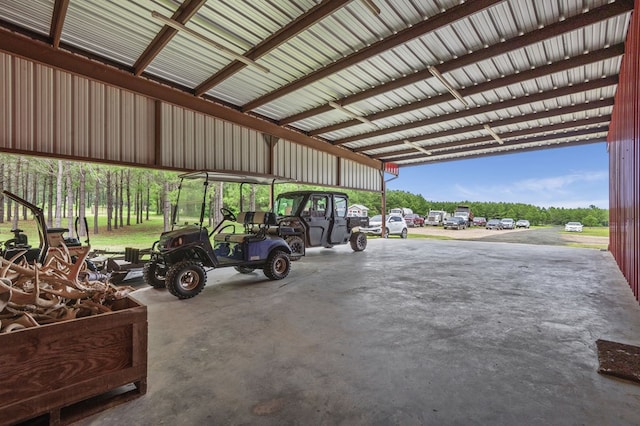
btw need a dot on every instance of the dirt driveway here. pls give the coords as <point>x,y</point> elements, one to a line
<point>540,236</point>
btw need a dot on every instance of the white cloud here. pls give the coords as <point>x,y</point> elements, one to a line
<point>576,189</point>
<point>561,183</point>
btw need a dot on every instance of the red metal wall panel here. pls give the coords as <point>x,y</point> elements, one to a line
<point>624,161</point>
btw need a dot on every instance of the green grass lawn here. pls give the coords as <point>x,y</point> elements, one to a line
<point>142,235</point>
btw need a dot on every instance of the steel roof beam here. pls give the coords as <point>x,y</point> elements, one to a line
<point>567,64</point>
<point>25,47</point>
<point>564,91</point>
<point>516,142</point>
<point>57,21</point>
<point>182,15</point>
<point>595,15</point>
<point>290,30</point>
<point>506,122</point>
<point>445,18</point>
<point>505,136</point>
<point>435,159</point>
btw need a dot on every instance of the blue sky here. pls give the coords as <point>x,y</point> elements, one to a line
<point>568,177</point>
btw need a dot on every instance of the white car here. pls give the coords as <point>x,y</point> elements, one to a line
<point>573,227</point>
<point>396,225</point>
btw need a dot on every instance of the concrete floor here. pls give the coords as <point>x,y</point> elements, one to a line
<point>408,332</point>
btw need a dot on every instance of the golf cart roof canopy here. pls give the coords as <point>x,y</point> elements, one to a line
<point>236,178</point>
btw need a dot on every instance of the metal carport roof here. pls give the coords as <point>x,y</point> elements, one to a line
<point>418,82</point>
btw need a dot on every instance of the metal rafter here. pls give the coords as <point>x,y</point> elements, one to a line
<point>445,18</point>
<point>503,151</point>
<point>567,64</point>
<point>570,24</point>
<point>605,103</point>
<point>595,15</point>
<point>19,45</point>
<point>290,30</point>
<point>182,15</point>
<point>57,21</point>
<point>516,142</point>
<point>550,94</point>
<point>434,148</point>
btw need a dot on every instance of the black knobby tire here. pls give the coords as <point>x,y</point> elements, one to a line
<point>278,265</point>
<point>296,244</point>
<point>404,233</point>
<point>151,277</point>
<point>358,241</point>
<point>244,269</point>
<point>186,279</point>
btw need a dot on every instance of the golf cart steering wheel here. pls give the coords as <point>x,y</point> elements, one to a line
<point>228,214</point>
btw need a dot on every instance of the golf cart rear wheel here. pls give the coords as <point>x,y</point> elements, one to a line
<point>358,241</point>
<point>296,244</point>
<point>244,269</point>
<point>186,279</point>
<point>278,265</point>
<point>151,276</point>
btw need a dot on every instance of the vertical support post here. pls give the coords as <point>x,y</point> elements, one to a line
<point>383,185</point>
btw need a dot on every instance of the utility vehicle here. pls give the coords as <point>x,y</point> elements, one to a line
<point>318,219</point>
<point>180,258</point>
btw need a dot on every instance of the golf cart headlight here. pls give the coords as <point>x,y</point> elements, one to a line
<point>176,242</point>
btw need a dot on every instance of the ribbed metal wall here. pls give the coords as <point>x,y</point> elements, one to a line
<point>624,161</point>
<point>47,112</point>
<point>355,175</point>
<point>304,164</point>
<point>194,141</point>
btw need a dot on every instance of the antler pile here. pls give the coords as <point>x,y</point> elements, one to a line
<point>59,290</point>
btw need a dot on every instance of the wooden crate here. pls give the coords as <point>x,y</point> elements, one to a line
<point>60,373</point>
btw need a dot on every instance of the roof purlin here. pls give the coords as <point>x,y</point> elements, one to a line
<point>550,94</point>
<point>510,151</point>
<point>314,15</point>
<point>57,21</point>
<point>504,136</point>
<point>591,57</point>
<point>506,122</point>
<point>569,24</point>
<point>185,12</point>
<point>445,18</point>
<point>541,138</point>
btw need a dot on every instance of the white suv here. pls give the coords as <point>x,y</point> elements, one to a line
<point>396,225</point>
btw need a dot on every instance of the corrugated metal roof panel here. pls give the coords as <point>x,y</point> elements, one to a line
<point>120,31</point>
<point>34,15</point>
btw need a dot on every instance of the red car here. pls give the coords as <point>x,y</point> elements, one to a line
<point>414,220</point>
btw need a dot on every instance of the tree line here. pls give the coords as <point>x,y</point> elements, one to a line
<point>589,216</point>
<point>126,196</point>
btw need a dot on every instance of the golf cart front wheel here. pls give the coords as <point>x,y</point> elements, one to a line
<point>278,265</point>
<point>186,279</point>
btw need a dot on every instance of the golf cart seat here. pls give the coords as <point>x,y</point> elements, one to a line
<point>255,225</point>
